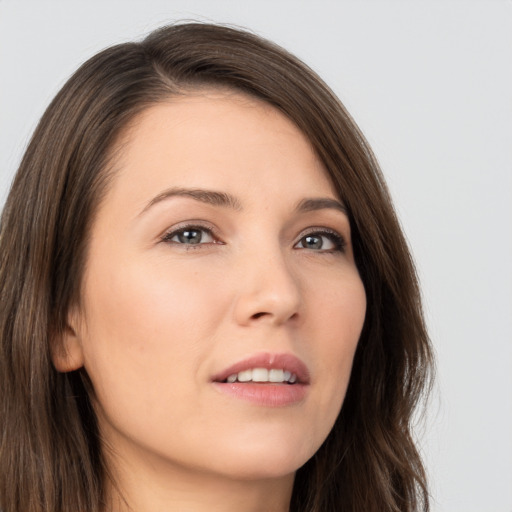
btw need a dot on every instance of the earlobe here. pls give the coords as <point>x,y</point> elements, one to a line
<point>67,353</point>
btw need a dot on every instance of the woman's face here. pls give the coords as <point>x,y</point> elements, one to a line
<point>220,254</point>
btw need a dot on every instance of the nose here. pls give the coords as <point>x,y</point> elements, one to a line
<point>268,291</point>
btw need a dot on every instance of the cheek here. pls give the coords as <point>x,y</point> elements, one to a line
<point>340,307</point>
<point>340,314</point>
<point>142,320</point>
<point>148,304</point>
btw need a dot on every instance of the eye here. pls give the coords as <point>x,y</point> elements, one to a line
<point>322,241</point>
<point>189,235</point>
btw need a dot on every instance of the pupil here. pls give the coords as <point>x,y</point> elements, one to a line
<point>190,237</point>
<point>313,242</point>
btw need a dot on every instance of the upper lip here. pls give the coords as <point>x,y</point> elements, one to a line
<point>286,362</point>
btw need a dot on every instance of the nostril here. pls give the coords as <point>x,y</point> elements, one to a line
<point>257,315</point>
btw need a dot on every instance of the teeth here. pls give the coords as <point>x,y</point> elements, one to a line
<point>260,375</point>
<point>276,375</point>
<point>245,376</point>
<point>263,375</point>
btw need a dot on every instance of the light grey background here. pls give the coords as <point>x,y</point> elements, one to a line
<point>430,85</point>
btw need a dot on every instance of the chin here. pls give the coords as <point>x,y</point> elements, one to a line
<point>264,458</point>
<point>262,470</point>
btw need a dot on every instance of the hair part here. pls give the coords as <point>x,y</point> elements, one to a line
<point>51,456</point>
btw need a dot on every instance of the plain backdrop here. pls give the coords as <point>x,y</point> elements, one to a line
<point>430,84</point>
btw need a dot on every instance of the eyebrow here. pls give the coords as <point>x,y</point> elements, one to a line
<point>204,196</point>
<point>226,200</point>
<point>321,203</point>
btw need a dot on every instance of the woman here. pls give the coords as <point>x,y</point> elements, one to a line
<point>207,301</point>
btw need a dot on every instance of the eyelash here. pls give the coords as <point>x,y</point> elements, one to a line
<point>167,237</point>
<point>337,239</point>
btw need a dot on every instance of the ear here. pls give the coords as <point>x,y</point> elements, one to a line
<point>66,351</point>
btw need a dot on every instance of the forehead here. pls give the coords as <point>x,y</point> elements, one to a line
<point>217,139</point>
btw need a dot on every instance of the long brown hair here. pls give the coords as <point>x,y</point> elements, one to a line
<point>50,453</point>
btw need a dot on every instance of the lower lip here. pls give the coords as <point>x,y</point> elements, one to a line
<point>264,394</point>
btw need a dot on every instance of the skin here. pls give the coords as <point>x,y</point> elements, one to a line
<point>158,318</point>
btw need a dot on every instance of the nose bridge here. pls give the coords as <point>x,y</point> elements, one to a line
<point>268,288</point>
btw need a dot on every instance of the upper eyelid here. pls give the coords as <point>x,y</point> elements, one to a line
<point>322,231</point>
<point>338,237</point>
<point>168,233</point>
<point>211,229</point>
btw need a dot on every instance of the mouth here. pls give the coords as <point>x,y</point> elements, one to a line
<point>264,375</point>
<point>266,368</point>
<point>270,380</point>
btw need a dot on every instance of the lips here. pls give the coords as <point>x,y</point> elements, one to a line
<point>288,363</point>
<point>265,380</point>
